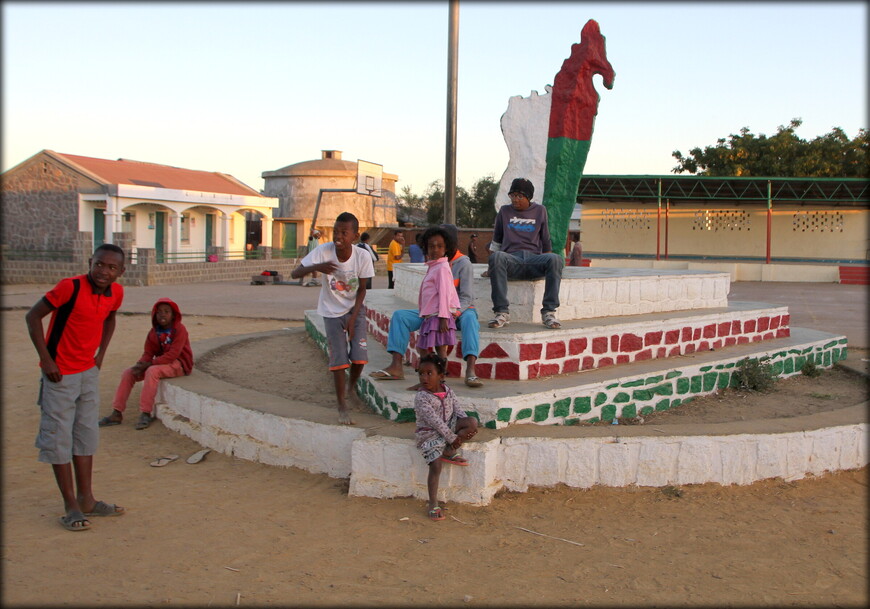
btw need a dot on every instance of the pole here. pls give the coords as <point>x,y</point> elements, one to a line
<point>769,218</point>
<point>452,70</point>
<point>659,221</point>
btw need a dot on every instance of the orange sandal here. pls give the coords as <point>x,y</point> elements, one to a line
<point>455,460</point>
<point>435,514</point>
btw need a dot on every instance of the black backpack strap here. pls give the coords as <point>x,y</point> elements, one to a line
<point>62,316</point>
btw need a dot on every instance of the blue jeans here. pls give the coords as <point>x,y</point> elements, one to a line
<point>405,321</point>
<point>526,266</point>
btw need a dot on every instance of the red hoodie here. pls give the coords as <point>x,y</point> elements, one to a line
<point>166,347</point>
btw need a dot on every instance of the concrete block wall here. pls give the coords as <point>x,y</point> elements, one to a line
<point>524,355</point>
<point>585,292</point>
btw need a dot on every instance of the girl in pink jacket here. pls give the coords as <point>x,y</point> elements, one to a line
<point>438,302</point>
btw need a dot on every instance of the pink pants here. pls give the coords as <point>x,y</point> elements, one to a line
<point>151,376</point>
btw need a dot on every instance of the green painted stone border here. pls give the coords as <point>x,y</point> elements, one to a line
<point>626,399</point>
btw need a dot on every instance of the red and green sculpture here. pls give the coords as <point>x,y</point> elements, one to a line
<point>572,117</point>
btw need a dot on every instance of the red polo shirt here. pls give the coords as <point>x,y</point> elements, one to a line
<point>76,326</point>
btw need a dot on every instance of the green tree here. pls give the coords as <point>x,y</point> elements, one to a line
<point>783,154</point>
<point>408,203</point>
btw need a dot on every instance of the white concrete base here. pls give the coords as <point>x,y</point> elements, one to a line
<point>381,460</point>
<point>590,292</point>
<point>388,467</point>
<point>739,271</point>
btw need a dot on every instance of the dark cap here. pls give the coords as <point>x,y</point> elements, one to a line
<point>522,186</point>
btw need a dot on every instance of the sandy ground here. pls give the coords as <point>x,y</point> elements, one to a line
<point>227,532</point>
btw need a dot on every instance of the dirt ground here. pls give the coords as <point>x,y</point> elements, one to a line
<point>254,364</point>
<point>227,532</point>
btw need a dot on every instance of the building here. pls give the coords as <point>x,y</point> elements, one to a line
<point>298,189</point>
<point>60,205</point>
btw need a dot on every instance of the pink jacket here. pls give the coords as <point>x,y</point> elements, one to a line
<point>437,293</point>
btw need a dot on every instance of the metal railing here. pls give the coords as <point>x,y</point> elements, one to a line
<point>41,255</point>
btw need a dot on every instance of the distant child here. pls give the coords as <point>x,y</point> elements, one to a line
<point>438,301</point>
<point>71,353</point>
<point>345,269</point>
<point>415,250</point>
<point>167,354</point>
<point>442,426</point>
<point>394,255</point>
<point>364,244</point>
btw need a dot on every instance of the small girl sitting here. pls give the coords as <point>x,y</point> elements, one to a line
<point>438,301</point>
<point>442,426</point>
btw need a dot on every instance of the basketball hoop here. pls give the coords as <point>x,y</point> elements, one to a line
<point>368,178</point>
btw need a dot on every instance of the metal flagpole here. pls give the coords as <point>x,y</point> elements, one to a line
<point>452,69</point>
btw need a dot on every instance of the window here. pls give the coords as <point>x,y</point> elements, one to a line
<point>128,224</point>
<point>185,228</point>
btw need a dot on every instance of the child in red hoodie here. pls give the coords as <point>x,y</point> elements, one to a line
<point>167,354</point>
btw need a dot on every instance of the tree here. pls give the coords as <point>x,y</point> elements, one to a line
<point>477,209</point>
<point>408,205</point>
<point>781,155</point>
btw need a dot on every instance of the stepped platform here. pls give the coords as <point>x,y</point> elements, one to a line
<point>590,291</point>
<point>523,351</point>
<point>530,434</point>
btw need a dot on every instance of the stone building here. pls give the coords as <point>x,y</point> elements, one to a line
<point>65,204</point>
<point>297,187</point>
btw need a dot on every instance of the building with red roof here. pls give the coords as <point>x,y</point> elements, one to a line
<point>57,202</point>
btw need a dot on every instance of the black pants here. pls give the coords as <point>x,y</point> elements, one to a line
<point>390,283</point>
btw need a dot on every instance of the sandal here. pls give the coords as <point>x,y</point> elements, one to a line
<point>454,460</point>
<point>109,421</point>
<point>144,421</point>
<point>75,521</point>
<point>473,381</point>
<point>549,320</point>
<point>436,514</point>
<point>500,320</point>
<point>101,508</point>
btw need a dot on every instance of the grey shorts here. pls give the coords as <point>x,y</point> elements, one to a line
<point>342,355</point>
<point>70,410</point>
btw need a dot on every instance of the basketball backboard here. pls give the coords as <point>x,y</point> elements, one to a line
<point>368,178</point>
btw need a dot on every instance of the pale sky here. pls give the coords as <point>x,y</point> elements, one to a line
<point>247,88</point>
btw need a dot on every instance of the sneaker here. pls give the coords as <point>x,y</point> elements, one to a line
<point>500,320</point>
<point>549,320</point>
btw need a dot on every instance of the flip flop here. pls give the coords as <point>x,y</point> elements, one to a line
<point>385,376</point>
<point>75,521</point>
<point>454,460</point>
<point>198,456</point>
<point>162,461</point>
<point>436,514</point>
<point>101,508</point>
<point>107,422</point>
<point>473,381</point>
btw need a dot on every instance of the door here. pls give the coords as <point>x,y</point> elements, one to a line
<point>209,234</point>
<point>160,235</point>
<point>288,246</point>
<point>99,227</point>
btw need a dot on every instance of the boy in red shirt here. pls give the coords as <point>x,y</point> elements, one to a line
<point>82,322</point>
<point>167,354</point>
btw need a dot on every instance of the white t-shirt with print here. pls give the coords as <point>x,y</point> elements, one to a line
<point>338,290</point>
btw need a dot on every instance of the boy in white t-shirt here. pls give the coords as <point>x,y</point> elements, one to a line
<point>341,304</point>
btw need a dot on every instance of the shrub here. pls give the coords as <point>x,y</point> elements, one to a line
<point>752,375</point>
<point>810,369</point>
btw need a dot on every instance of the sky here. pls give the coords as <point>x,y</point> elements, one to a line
<point>247,88</point>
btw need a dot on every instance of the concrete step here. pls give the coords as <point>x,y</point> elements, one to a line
<point>626,391</point>
<point>591,292</point>
<point>523,351</point>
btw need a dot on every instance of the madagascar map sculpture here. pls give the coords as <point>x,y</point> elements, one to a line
<point>548,136</point>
